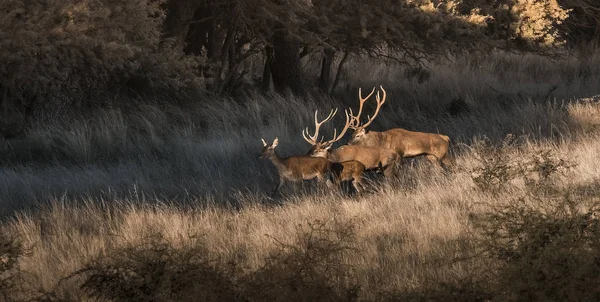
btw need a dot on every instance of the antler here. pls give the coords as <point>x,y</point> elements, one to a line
<point>355,122</point>
<point>338,137</point>
<point>379,104</point>
<point>313,139</point>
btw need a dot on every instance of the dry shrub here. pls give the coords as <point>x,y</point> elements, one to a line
<point>11,250</point>
<point>312,268</point>
<point>496,167</point>
<point>499,167</point>
<point>548,249</point>
<point>156,270</point>
<point>546,242</point>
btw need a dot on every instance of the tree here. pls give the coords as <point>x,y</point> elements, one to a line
<point>56,54</point>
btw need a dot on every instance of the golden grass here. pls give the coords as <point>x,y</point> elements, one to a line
<point>410,238</point>
<point>405,241</point>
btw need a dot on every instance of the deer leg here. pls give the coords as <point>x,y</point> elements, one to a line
<point>356,182</point>
<point>322,179</point>
<point>281,181</point>
<point>388,170</point>
<point>445,162</point>
<point>329,183</point>
<point>435,160</point>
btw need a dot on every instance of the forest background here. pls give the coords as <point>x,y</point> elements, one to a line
<point>130,131</point>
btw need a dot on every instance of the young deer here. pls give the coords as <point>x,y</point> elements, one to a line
<point>295,168</point>
<point>406,143</point>
<point>351,170</point>
<point>352,160</point>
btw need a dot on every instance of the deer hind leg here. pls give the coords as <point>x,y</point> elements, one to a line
<point>435,160</point>
<point>388,171</point>
<point>445,162</point>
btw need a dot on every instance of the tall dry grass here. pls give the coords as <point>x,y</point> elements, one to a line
<point>170,203</point>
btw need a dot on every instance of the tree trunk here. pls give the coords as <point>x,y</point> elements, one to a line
<point>196,38</point>
<point>266,77</point>
<point>327,64</point>
<point>179,15</point>
<point>338,72</point>
<point>285,66</point>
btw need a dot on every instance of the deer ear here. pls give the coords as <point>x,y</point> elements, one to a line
<point>275,142</point>
<point>263,141</point>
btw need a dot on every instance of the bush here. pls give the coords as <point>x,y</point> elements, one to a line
<point>11,277</point>
<point>548,249</point>
<point>156,270</point>
<point>546,242</point>
<point>496,167</point>
<point>56,54</point>
<point>500,166</point>
<point>310,269</point>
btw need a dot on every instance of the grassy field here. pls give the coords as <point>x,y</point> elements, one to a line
<point>170,203</point>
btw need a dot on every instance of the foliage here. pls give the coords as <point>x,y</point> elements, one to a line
<point>546,241</point>
<point>496,168</point>
<point>548,248</point>
<point>499,167</point>
<point>156,270</point>
<point>583,23</point>
<point>57,54</point>
<point>11,251</point>
<point>54,54</point>
<point>311,268</point>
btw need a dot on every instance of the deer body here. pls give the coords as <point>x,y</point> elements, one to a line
<point>407,143</point>
<point>370,157</point>
<point>404,142</point>
<point>349,171</point>
<point>296,168</point>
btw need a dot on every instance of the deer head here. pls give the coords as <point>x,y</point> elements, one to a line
<point>360,129</point>
<point>268,149</point>
<point>319,147</point>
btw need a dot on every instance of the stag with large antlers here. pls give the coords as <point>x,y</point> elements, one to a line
<point>406,143</point>
<point>369,157</point>
<point>296,168</point>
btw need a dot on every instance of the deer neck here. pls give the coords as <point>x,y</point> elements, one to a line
<point>277,161</point>
<point>373,138</point>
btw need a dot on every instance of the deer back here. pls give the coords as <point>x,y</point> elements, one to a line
<point>411,143</point>
<point>371,157</point>
<point>306,165</point>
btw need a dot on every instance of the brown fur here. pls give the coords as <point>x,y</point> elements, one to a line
<point>407,143</point>
<point>371,157</point>
<point>349,171</point>
<point>404,142</point>
<point>296,168</point>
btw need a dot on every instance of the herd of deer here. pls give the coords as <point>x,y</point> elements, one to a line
<point>366,150</point>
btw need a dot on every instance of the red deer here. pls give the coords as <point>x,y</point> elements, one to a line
<point>351,170</point>
<point>370,157</point>
<point>406,143</point>
<point>295,168</point>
